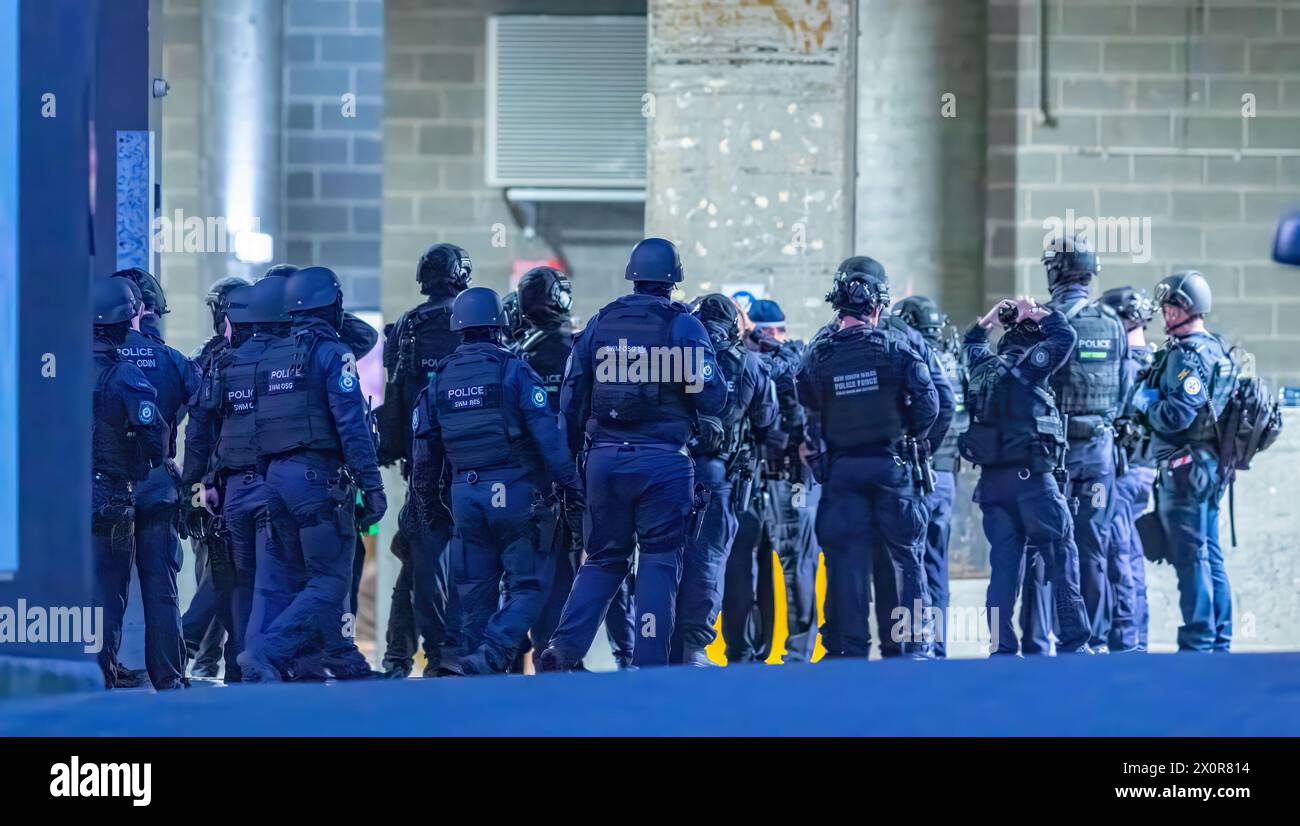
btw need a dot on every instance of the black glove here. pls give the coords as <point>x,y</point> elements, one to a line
<point>194,520</point>
<point>574,506</point>
<point>373,506</point>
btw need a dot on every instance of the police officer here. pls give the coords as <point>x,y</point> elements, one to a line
<point>544,336</point>
<point>421,336</point>
<point>1130,615</point>
<point>1090,393</point>
<point>128,438</point>
<point>202,624</point>
<point>923,315</point>
<point>315,441</point>
<point>869,399</point>
<point>634,418</point>
<point>157,499</point>
<point>1181,400</point>
<point>1017,438</point>
<point>784,524</point>
<point>725,466</point>
<point>485,411</point>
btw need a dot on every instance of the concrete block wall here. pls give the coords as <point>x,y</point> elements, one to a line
<point>434,147</point>
<point>1147,105</point>
<point>751,165</point>
<point>332,157</point>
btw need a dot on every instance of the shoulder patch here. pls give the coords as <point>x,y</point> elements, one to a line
<point>1192,386</point>
<point>922,371</point>
<point>1039,358</point>
<point>415,419</point>
<point>148,413</point>
<point>707,371</point>
<point>347,383</point>
<point>539,397</point>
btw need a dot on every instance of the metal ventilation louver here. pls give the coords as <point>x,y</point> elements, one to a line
<point>564,101</point>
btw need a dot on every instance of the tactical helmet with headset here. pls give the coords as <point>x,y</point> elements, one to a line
<point>860,287</point>
<point>1070,260</point>
<point>1134,306</point>
<point>545,296</point>
<point>444,268</point>
<point>218,299</point>
<point>151,291</point>
<point>921,314</point>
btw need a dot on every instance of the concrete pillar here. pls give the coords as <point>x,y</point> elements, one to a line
<point>241,124</point>
<point>751,163</point>
<point>921,128</point>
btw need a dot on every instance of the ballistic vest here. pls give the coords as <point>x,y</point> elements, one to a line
<point>626,346</point>
<point>292,402</point>
<point>1216,372</point>
<point>155,361</point>
<point>730,420</point>
<point>115,451</point>
<point>1089,384</point>
<point>945,454</point>
<point>470,395</point>
<point>547,352</point>
<point>236,388</point>
<point>860,378</point>
<point>1012,422</point>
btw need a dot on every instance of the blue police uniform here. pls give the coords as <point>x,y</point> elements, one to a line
<point>639,476</point>
<point>1015,436</point>
<point>129,436</point>
<point>1130,615</point>
<point>486,413</point>
<point>1090,391</point>
<point>865,390</point>
<point>1185,392</point>
<point>784,525</point>
<point>750,405</point>
<point>315,441</point>
<point>547,352</point>
<point>157,503</point>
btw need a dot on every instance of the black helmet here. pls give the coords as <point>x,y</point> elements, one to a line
<point>280,271</point>
<point>860,286</point>
<point>151,292</point>
<point>1187,289</point>
<point>267,301</point>
<point>310,288</point>
<point>1134,306</point>
<point>218,298</point>
<point>1070,259</point>
<point>477,307</point>
<point>240,307</point>
<point>921,314</point>
<point>719,314</point>
<point>545,296</point>
<point>516,324</point>
<point>444,268</point>
<point>114,301</point>
<point>654,259</point>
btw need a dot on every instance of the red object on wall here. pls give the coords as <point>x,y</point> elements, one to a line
<point>523,265</point>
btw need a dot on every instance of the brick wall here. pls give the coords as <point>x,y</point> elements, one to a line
<point>434,144</point>
<point>1147,102</point>
<point>333,163</point>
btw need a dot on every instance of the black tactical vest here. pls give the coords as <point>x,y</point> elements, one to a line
<point>1089,383</point>
<point>547,352</point>
<point>861,387</point>
<point>115,451</point>
<point>236,386</point>
<point>1216,372</point>
<point>724,443</point>
<point>292,404</point>
<point>631,345</point>
<point>478,430</point>
<point>1011,422</point>
<point>424,338</point>
<point>945,454</point>
<point>156,363</point>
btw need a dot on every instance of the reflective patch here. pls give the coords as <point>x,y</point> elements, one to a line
<point>147,412</point>
<point>707,372</point>
<point>1039,358</point>
<point>347,383</point>
<point>539,397</point>
<point>1180,461</point>
<point>415,419</point>
<point>1192,386</point>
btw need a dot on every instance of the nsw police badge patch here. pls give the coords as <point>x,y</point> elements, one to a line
<point>1192,386</point>
<point>1039,358</point>
<point>148,412</point>
<point>539,397</point>
<point>347,383</point>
